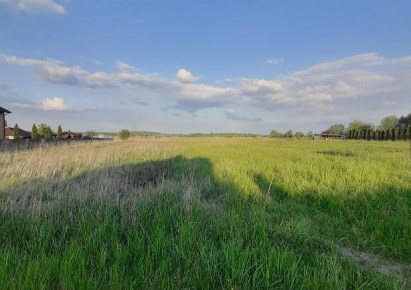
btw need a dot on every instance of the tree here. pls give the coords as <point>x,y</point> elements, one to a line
<point>299,135</point>
<point>44,131</point>
<point>275,134</point>
<point>289,134</point>
<point>359,125</point>
<point>388,123</point>
<point>335,129</point>
<point>16,133</point>
<point>48,134</point>
<point>124,134</point>
<point>309,134</point>
<point>34,133</point>
<point>59,133</point>
<point>404,122</point>
<point>90,134</point>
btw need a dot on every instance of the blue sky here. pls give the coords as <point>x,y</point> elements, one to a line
<point>204,66</point>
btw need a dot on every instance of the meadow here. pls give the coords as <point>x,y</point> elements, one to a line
<point>207,213</point>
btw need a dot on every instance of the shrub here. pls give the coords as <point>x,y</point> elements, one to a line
<point>124,134</point>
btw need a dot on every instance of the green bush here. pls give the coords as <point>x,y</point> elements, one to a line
<point>124,134</point>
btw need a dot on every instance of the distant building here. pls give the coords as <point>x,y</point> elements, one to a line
<point>327,136</point>
<point>3,124</point>
<point>8,134</point>
<point>70,135</point>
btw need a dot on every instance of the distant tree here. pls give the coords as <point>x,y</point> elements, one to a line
<point>409,132</point>
<point>124,134</point>
<point>404,134</point>
<point>34,133</point>
<point>59,132</point>
<point>289,134</point>
<point>48,134</point>
<point>398,133</point>
<point>16,133</point>
<point>404,122</point>
<point>374,135</point>
<point>335,129</point>
<point>299,135</point>
<point>359,125</point>
<point>387,135</point>
<point>368,134</point>
<point>309,134</point>
<point>388,123</point>
<point>275,134</point>
<point>44,131</point>
<point>392,134</point>
<point>90,134</point>
<point>382,135</point>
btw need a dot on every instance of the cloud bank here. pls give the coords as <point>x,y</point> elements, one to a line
<point>34,6</point>
<point>330,86</point>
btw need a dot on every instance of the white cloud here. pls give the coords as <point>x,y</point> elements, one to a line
<point>124,67</point>
<point>185,76</point>
<point>54,104</point>
<point>274,61</point>
<point>346,82</point>
<point>259,86</point>
<point>34,6</point>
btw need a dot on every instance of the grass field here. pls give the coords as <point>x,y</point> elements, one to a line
<point>207,213</point>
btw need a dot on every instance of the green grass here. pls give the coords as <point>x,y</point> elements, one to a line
<point>205,213</point>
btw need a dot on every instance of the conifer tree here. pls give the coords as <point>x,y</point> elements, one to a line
<point>16,132</point>
<point>59,132</point>
<point>34,133</point>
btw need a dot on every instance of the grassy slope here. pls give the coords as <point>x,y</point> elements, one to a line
<point>203,213</point>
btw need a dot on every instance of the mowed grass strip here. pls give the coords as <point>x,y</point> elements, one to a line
<point>242,213</point>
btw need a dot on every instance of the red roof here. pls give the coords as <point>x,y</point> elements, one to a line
<point>9,132</point>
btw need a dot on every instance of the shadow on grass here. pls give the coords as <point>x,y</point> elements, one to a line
<point>173,224</point>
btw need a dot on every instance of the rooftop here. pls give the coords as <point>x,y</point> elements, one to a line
<point>3,110</point>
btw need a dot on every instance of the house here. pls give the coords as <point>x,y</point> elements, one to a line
<point>8,134</point>
<point>70,135</point>
<point>324,136</point>
<point>3,113</point>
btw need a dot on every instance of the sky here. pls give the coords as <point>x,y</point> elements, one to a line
<point>186,66</point>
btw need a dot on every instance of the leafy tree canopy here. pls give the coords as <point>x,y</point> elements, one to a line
<point>388,123</point>
<point>335,129</point>
<point>276,134</point>
<point>124,134</point>
<point>359,125</point>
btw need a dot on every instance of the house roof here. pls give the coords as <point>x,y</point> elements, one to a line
<point>3,110</point>
<point>9,132</point>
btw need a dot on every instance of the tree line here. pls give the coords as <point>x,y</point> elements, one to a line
<point>390,128</point>
<point>44,131</point>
